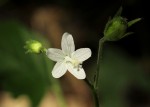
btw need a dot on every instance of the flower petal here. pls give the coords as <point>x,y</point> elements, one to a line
<point>82,54</point>
<point>59,70</point>
<point>55,54</point>
<point>67,44</point>
<point>78,73</point>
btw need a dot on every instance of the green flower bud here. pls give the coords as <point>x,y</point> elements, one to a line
<point>34,46</point>
<point>115,29</point>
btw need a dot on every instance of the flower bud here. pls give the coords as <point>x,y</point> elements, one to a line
<point>34,46</point>
<point>115,29</point>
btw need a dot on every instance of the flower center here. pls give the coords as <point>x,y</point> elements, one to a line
<point>76,64</point>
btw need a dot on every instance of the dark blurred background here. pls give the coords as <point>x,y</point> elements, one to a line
<point>89,17</point>
<point>86,20</point>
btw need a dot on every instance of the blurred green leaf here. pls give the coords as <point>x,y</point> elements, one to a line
<point>22,73</point>
<point>117,73</point>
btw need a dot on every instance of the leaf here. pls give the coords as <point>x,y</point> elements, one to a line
<point>22,73</point>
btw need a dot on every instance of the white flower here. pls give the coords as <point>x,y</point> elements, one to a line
<point>68,58</point>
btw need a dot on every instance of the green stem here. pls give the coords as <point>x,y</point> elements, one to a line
<point>95,95</point>
<point>95,86</point>
<point>95,98</point>
<point>100,52</point>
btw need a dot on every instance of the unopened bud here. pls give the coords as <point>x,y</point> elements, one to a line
<point>115,29</point>
<point>33,46</point>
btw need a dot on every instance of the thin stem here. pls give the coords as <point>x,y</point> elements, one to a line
<point>100,52</point>
<point>95,95</point>
<point>95,98</point>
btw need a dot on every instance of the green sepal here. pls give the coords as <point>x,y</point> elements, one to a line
<point>130,23</point>
<point>118,13</point>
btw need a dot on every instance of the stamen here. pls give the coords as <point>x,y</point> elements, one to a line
<point>76,64</point>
